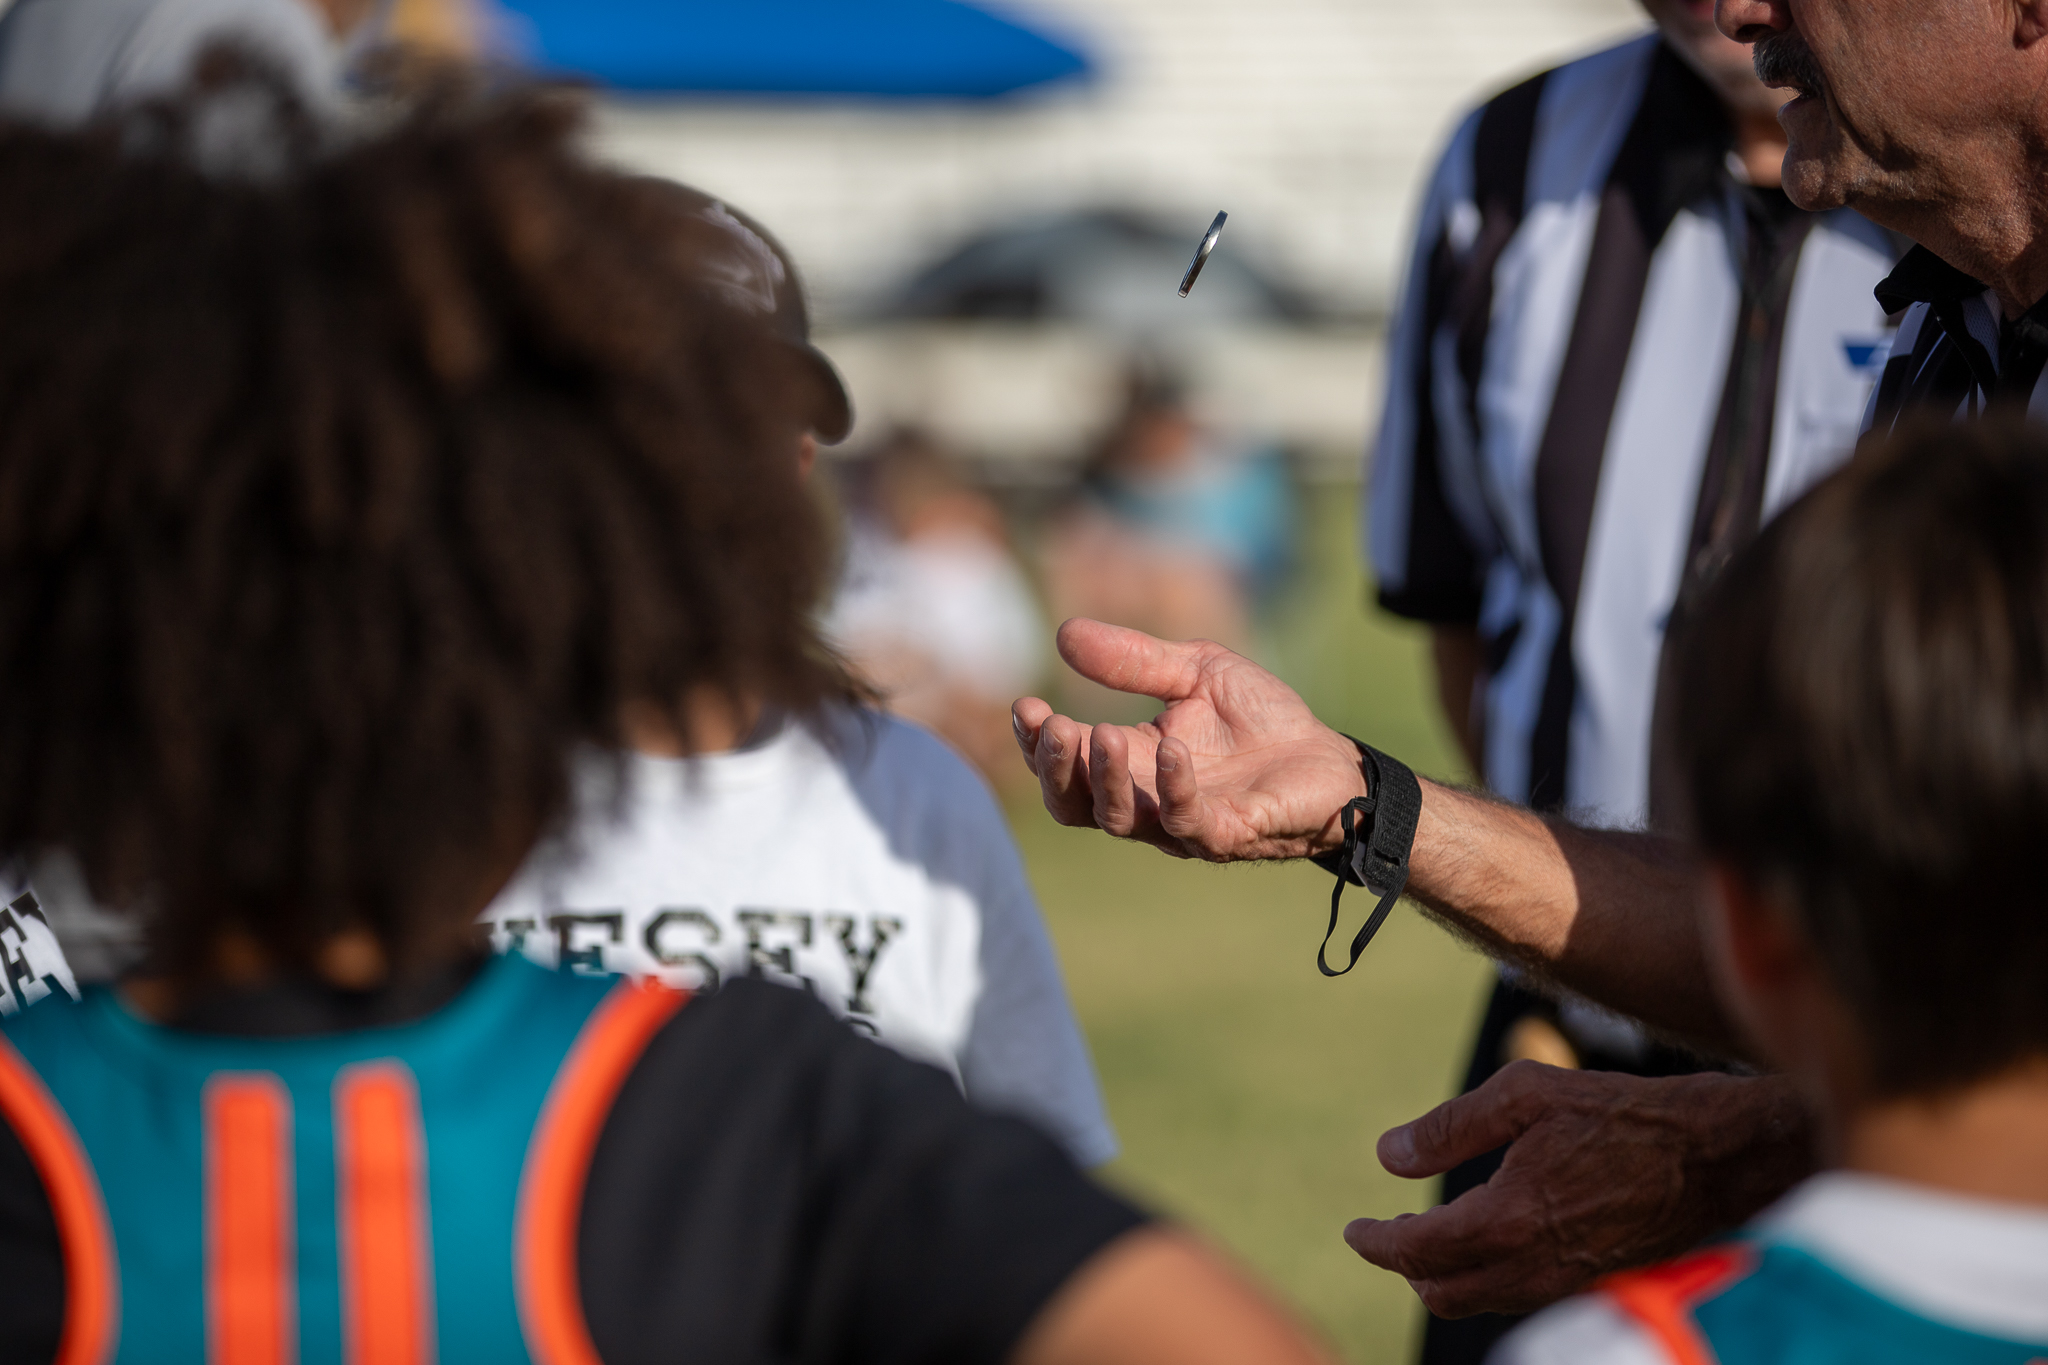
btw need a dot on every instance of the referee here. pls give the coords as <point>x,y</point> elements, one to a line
<point>1621,347</point>
<point>1927,118</point>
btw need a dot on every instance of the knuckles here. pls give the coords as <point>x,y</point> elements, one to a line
<point>1530,1093</point>
<point>1527,1086</point>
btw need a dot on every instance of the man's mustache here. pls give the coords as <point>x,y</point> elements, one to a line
<point>1784,60</point>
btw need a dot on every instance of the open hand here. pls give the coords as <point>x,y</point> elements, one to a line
<point>1604,1172</point>
<point>1235,767</point>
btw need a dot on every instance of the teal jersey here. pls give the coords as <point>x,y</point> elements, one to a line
<point>1758,1302</point>
<point>546,1167</point>
<point>322,1199</point>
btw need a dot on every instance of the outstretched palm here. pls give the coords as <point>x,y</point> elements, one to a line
<point>1236,767</point>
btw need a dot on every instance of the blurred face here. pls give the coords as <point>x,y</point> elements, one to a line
<point>1900,108</point>
<point>1159,441</point>
<point>1688,25</point>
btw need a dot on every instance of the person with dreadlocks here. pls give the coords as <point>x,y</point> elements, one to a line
<point>64,62</point>
<point>342,513</point>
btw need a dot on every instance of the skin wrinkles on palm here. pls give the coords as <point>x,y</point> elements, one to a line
<point>1236,767</point>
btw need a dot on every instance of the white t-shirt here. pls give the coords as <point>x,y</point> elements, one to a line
<point>857,857</point>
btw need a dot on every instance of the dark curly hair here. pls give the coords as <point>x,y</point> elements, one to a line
<point>342,507</point>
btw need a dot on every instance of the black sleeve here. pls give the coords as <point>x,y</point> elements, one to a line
<point>770,1185</point>
<point>31,1261</point>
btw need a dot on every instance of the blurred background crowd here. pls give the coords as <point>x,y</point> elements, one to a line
<point>992,206</point>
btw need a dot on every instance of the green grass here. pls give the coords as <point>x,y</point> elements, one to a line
<point>1248,1090</point>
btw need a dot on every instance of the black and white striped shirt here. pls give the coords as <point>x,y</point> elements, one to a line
<point>1956,351</point>
<point>1612,360</point>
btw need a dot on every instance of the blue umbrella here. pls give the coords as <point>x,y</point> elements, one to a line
<point>905,49</point>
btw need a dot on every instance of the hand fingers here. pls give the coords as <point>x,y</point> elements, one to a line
<point>1131,660</point>
<point>1524,1285</point>
<point>1477,1228</point>
<point>1109,777</point>
<point>1027,715</point>
<point>1471,1125</point>
<point>1182,811</point>
<point>1062,778</point>
<point>1459,1266</point>
<point>1379,1240</point>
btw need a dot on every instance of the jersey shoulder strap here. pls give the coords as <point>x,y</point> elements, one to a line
<point>1661,1299</point>
<point>558,1167</point>
<point>92,1287</point>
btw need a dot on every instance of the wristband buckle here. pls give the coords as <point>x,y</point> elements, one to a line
<point>1379,835</point>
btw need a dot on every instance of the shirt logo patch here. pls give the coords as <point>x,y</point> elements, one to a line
<point>1866,355</point>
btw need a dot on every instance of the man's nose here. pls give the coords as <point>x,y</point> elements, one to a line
<point>1748,20</point>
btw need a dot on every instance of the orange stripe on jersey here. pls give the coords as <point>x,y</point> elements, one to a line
<point>1660,1298</point>
<point>92,1286</point>
<point>251,1290</point>
<point>380,1154</point>
<point>558,1162</point>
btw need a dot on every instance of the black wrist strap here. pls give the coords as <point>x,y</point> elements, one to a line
<point>1379,833</point>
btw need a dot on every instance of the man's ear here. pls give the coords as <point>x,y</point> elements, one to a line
<point>2030,22</point>
<point>806,456</point>
<point>1761,949</point>
<point>1761,967</point>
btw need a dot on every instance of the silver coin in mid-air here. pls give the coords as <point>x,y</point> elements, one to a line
<point>1209,240</point>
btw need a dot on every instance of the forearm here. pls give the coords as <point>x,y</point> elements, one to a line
<point>1609,914</point>
<point>1237,768</point>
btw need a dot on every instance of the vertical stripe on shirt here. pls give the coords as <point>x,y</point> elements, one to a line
<point>381,1219</point>
<point>1678,125</point>
<point>251,1228</point>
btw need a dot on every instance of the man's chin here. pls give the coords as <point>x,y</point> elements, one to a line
<point>1813,154</point>
<point>1810,183</point>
